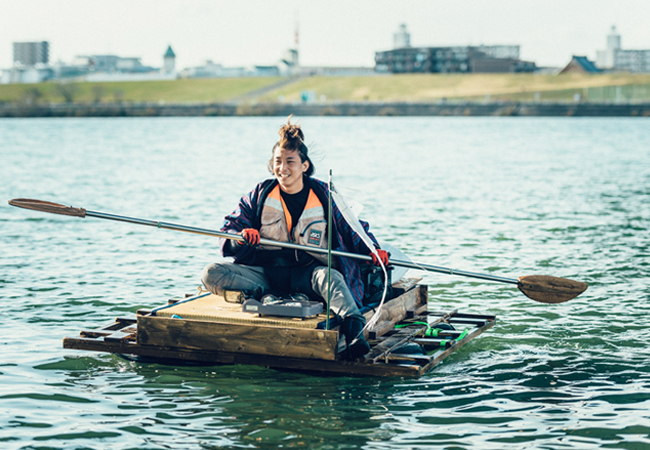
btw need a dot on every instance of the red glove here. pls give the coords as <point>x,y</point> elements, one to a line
<point>251,236</point>
<point>383,255</point>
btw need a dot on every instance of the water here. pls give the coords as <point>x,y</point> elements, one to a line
<point>508,196</point>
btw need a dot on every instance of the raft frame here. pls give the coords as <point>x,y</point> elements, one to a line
<point>176,340</point>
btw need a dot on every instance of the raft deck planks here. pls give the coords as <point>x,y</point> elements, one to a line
<point>178,340</point>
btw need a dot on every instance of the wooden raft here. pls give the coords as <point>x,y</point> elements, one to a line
<point>205,333</point>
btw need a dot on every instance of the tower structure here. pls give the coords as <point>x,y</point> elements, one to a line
<point>605,59</point>
<point>169,59</point>
<point>402,39</point>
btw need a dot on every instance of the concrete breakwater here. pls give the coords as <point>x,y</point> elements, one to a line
<point>327,109</point>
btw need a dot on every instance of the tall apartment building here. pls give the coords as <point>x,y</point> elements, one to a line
<point>31,53</point>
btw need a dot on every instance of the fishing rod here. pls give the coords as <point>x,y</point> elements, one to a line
<point>541,288</point>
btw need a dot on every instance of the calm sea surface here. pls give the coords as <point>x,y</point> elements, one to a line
<point>568,197</point>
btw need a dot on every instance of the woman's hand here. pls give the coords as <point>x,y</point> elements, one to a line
<point>383,255</point>
<point>251,236</point>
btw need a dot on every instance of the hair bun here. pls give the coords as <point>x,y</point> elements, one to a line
<point>291,136</point>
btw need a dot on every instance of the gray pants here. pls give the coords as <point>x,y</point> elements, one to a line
<point>220,276</point>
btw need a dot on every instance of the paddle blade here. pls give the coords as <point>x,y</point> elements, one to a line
<point>54,208</point>
<point>547,289</point>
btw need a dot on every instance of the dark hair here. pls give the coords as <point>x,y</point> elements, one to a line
<point>292,138</point>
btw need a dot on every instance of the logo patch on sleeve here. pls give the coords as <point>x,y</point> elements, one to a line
<point>315,237</point>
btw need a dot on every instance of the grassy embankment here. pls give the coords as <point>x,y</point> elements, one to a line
<point>176,91</point>
<point>396,88</point>
<point>474,87</point>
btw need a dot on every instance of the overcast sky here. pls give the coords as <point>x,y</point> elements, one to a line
<point>331,32</point>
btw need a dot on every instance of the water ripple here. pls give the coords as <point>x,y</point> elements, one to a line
<point>511,197</point>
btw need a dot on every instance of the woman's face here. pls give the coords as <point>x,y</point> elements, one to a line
<point>288,169</point>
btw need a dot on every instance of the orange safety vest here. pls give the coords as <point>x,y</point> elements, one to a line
<point>310,230</point>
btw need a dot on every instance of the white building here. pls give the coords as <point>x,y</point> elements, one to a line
<point>106,68</point>
<point>214,70</point>
<point>605,58</point>
<point>290,62</point>
<point>26,74</point>
<point>402,38</point>
<point>169,61</point>
<point>615,58</point>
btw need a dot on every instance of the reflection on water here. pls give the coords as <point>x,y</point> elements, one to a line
<point>506,196</point>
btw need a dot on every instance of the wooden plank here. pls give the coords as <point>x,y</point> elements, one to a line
<point>121,335</point>
<point>397,309</point>
<point>127,320</point>
<point>112,325</point>
<point>95,333</point>
<point>228,337</point>
<point>415,359</point>
<point>180,355</point>
<point>406,283</point>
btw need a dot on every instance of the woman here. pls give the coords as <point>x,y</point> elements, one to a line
<point>292,207</point>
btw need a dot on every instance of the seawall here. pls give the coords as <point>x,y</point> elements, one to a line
<point>327,109</point>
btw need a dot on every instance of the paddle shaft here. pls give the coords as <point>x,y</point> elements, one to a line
<point>289,245</point>
<point>541,288</point>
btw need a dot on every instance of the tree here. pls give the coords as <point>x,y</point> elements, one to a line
<point>32,95</point>
<point>118,94</point>
<point>98,92</point>
<point>68,91</point>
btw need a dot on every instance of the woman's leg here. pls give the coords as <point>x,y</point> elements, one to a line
<point>342,303</point>
<point>219,276</point>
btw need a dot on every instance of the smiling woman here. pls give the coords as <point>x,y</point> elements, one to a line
<point>293,207</point>
<point>290,162</point>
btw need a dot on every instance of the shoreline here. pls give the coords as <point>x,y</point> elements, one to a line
<point>501,109</point>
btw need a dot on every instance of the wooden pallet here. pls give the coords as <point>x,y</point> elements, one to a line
<point>174,340</point>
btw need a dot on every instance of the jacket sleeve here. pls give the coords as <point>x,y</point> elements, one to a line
<point>242,217</point>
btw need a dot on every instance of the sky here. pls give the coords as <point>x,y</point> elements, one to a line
<point>238,33</point>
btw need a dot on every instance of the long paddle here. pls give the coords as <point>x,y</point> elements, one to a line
<point>541,288</point>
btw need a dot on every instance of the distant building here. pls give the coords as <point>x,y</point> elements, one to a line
<point>452,60</point>
<point>290,63</point>
<point>402,38</point>
<point>106,68</point>
<point>31,74</point>
<point>635,61</point>
<point>214,70</point>
<point>31,53</point>
<point>337,71</point>
<point>616,59</point>
<point>115,64</point>
<point>94,68</point>
<point>580,64</point>
<point>605,58</point>
<point>462,59</point>
<point>169,61</point>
